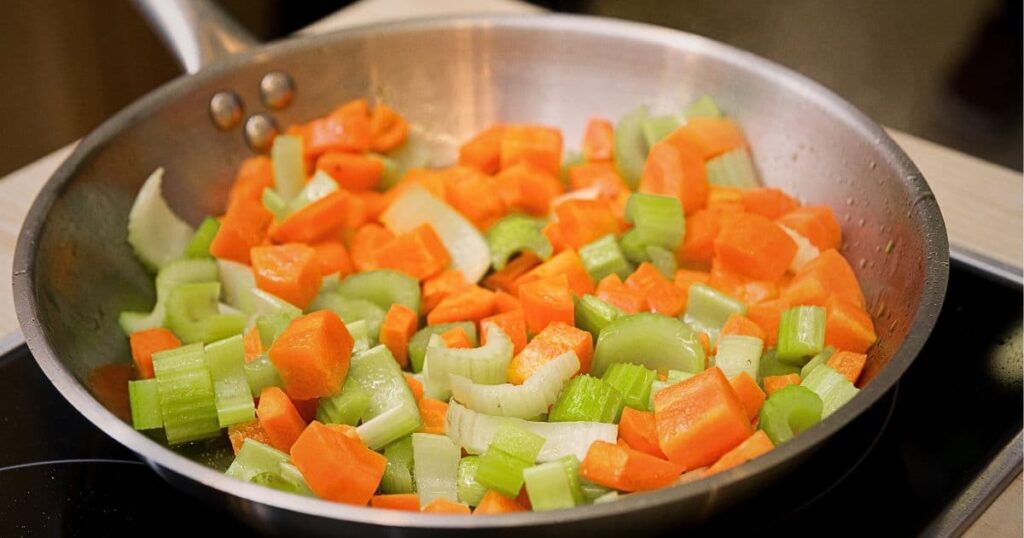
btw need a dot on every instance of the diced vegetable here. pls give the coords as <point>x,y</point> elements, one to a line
<point>549,487</point>
<point>289,169</point>
<point>707,309</point>
<point>256,458</point>
<point>437,467</point>
<point>279,418</point>
<point>655,341</point>
<point>631,145</point>
<point>703,107</point>
<point>260,374</point>
<point>528,400</point>
<point>485,365</point>
<point>632,381</point>
<point>470,491</point>
<point>516,233</point>
<point>378,374</point>
<point>187,400</point>
<point>789,411</point>
<point>199,246</point>
<point>156,234</point>
<point>732,169</point>
<point>656,128</point>
<point>383,288</point>
<point>772,366</point>
<point>144,398</point>
<point>663,260</point>
<point>336,465</point>
<point>819,359</point>
<point>801,334</point>
<point>638,430</point>
<point>546,302</point>
<point>175,273</point>
<point>312,355</point>
<point>831,386</point>
<point>754,446</point>
<point>593,314</point>
<point>748,392</point>
<point>347,407</point>
<point>419,341</point>
<point>738,354</point>
<point>603,257</point>
<point>587,399</point>
<point>657,220</point>
<point>625,469</point>
<point>389,426</point>
<point>549,344</point>
<point>226,362</point>
<point>512,449</point>
<point>398,472</point>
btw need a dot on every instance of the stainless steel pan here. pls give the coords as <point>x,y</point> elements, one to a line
<point>74,271</point>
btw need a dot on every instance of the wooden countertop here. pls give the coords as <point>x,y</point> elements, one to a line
<point>980,201</point>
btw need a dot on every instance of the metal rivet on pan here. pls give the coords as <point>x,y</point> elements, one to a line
<point>277,89</point>
<point>260,130</point>
<point>226,110</point>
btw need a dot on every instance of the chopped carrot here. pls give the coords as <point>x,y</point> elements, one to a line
<point>456,337</point>
<point>766,315</point>
<point>742,287</point>
<point>698,244</point>
<point>661,294</point>
<point>333,258</point>
<point>409,502</point>
<point>352,171</point>
<point>512,323</point>
<point>725,199</point>
<point>373,204</point>
<point>433,181</point>
<point>705,344</point>
<point>708,137</point>
<point>637,429</point>
<point>472,193</point>
<point>254,175</point>
<point>599,140</point>
<point>347,128</point>
<point>835,276</point>
<point>547,301</point>
<point>495,503</point>
<point>700,419</point>
<point>583,221</point>
<point>321,220</point>
<point>538,145</point>
<point>848,363</point>
<point>238,433</point>
<point>312,355</point>
<point>414,385</point>
<point>687,277</point>
<point>553,233</point>
<point>817,223</point>
<point>441,505</point>
<point>337,466</point>
<point>754,246</point>
<point>547,345</point>
<point>388,129</point>
<point>279,418</point>
<point>750,395</point>
<point>613,291</point>
<point>755,445</point>
<point>773,383</point>
<point>677,171</point>
<point>505,278</point>
<point>244,226</point>
<point>566,263</point>
<point>848,327</point>
<point>289,271</point>
<point>252,344</point>
<point>418,253</point>
<point>506,302</point>
<point>440,286</point>
<point>808,290</point>
<point>483,151</point>
<point>529,188</point>
<point>768,202</point>
<point>395,331</point>
<point>472,303</point>
<point>434,414</point>
<point>599,175</point>
<point>364,244</point>
<point>307,408</point>
<point>626,469</point>
<point>739,324</point>
<point>147,342</point>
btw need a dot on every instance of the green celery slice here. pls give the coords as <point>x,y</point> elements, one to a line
<point>226,362</point>
<point>155,233</point>
<point>707,309</point>
<point>398,473</point>
<point>548,486</point>
<point>289,165</point>
<point>270,326</point>
<point>603,257</point>
<point>377,373</point>
<point>293,476</point>
<point>832,387</point>
<point>192,314</point>
<point>389,426</point>
<point>260,374</point>
<point>437,467</point>
<point>587,399</point>
<point>418,342</point>
<point>187,401</point>
<point>516,233</point>
<point>487,364</point>
<point>360,331</point>
<point>572,472</point>
<point>236,281</point>
<point>658,127</point>
<point>592,492</point>
<point>737,353</point>
<point>655,341</point>
<point>789,411</point>
<point>470,491</point>
<point>391,173</point>
<point>733,168</point>
<point>663,260</point>
<point>267,303</point>
<point>528,400</point>
<point>179,272</point>
<point>657,220</point>
<point>346,407</point>
<point>199,246</point>
<point>144,397</point>
<point>819,359</point>
<point>501,472</point>
<point>631,145</point>
<point>517,442</point>
<point>318,186</point>
<point>382,288</point>
<point>772,366</point>
<point>633,382</point>
<point>276,481</point>
<point>673,377</point>
<point>801,334</point>
<point>633,247</point>
<point>274,203</point>
<point>593,314</point>
<point>415,152</point>
<point>703,107</point>
<point>256,458</point>
<point>351,310</point>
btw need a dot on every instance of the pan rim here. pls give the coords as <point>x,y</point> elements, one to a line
<point>164,459</point>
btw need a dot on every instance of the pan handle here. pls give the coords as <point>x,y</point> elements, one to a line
<point>197,31</point>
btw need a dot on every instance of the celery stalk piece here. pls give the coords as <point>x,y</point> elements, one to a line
<point>260,374</point>
<point>707,309</point>
<point>517,442</point>
<point>789,411</point>
<point>199,246</point>
<point>633,382</point>
<point>611,496</point>
<point>267,303</point>
<point>733,168</point>
<point>603,257</point>
<point>270,326</point>
<point>236,279</point>
<point>155,233</point>
<point>572,472</point>
<point>486,365</point>
<point>801,334</point>
<point>179,272</point>
<point>819,359</point>
<point>398,473</point>
<point>806,252</point>
<point>657,220</point>
<point>591,491</point>
<point>187,400</point>
<point>737,354</point>
<point>274,203</point>
<point>226,362</point>
<point>663,260</point>
<point>633,247</point>
<point>652,340</point>
<point>832,387</point>
<point>631,145</point>
<point>329,283</point>
<point>360,331</point>
<point>318,186</point>
<point>255,458</point>
<point>569,159</point>
<point>549,487</point>
<point>192,314</point>
<point>415,152</point>
<point>382,288</point>
<point>418,342</point>
<point>593,314</point>
<point>772,366</point>
<point>516,233</point>
<point>437,467</point>
<point>378,374</point>
<point>525,401</point>
<point>587,399</point>
<point>391,173</point>
<point>703,107</point>
<point>389,426</point>
<point>658,127</point>
<point>501,472</point>
<point>350,310</point>
<point>474,432</point>
<point>293,477</point>
<point>289,165</point>
<point>144,398</point>
<point>466,246</point>
<point>346,407</point>
<point>675,376</point>
<point>279,482</point>
<point>470,491</point>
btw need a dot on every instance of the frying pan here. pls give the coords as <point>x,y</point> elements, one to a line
<point>73,270</point>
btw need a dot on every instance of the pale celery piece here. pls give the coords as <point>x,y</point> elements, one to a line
<point>703,107</point>
<point>657,128</point>
<point>657,220</point>
<point>801,334</point>
<point>418,342</point>
<point>832,387</point>
<point>255,458</point>
<point>318,187</point>
<point>267,303</point>
<point>179,272</point>
<point>517,233</point>
<point>391,171</point>
<point>653,340</point>
<point>399,470</point>
<point>707,309</point>
<point>673,377</point>
<point>486,365</point>
<point>663,260</point>
<point>226,361</point>
<point>603,257</point>
<point>274,203</point>
<point>789,411</point>
<point>593,314</point>
<point>346,407</point>
<point>548,486</point>
<point>377,373</point>
<point>360,331</point>
<point>187,400</point>
<point>199,246</point>
<point>592,491</point>
<point>733,168</point>
<point>572,472</point>
<point>569,160</point>
<point>470,491</point>
<point>236,279</point>
<point>633,382</point>
<point>772,366</point>
<point>144,397</point>
<point>437,467</point>
<point>192,314</point>
<point>738,353</point>
<point>530,399</point>
<point>819,359</point>
<point>383,288</point>
<point>389,426</point>
<point>260,374</point>
<point>155,233</point>
<point>289,165</point>
<point>511,450</point>
<point>631,145</point>
<point>270,326</point>
<point>587,399</point>
<point>350,310</point>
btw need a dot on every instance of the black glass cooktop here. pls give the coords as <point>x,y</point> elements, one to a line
<point>926,459</point>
